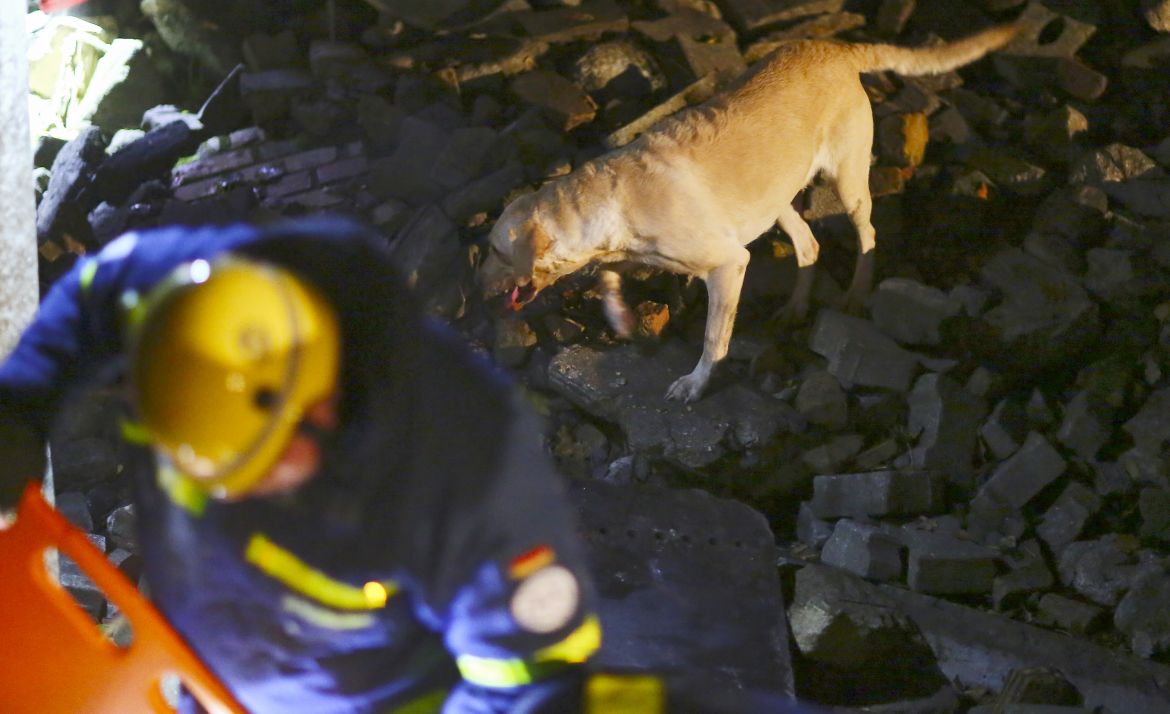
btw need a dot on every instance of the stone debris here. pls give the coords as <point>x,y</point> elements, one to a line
<point>616,385</point>
<point>822,401</point>
<point>832,625</point>
<point>942,564</point>
<point>1066,519</point>
<point>911,312</point>
<point>860,354</point>
<point>990,430</point>
<point>1142,615</point>
<point>876,493</point>
<point>864,550</point>
<point>946,418</point>
<point>1020,477</point>
<point>1005,428</point>
<point>1072,616</point>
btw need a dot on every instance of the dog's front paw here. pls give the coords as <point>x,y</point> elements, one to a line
<point>687,388</point>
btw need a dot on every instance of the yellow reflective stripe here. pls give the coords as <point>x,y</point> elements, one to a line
<point>429,703</point>
<point>278,563</point>
<point>134,432</point>
<point>514,672</point>
<point>577,647</point>
<point>182,491</point>
<point>624,694</point>
<point>86,276</point>
<point>499,673</point>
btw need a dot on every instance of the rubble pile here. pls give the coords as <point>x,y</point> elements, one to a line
<point>971,479</point>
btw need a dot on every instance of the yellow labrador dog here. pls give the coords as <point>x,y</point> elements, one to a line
<point>689,194</point>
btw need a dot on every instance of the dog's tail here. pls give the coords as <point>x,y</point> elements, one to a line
<point>933,60</point>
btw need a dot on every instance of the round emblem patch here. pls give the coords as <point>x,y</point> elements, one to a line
<point>546,600</point>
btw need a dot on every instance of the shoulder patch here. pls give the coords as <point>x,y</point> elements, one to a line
<point>546,600</point>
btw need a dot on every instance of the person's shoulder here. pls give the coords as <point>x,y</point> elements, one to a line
<point>453,350</point>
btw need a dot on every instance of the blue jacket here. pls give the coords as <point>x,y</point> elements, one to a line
<point>403,574</point>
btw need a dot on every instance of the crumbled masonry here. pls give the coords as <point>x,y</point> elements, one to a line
<point>968,483</point>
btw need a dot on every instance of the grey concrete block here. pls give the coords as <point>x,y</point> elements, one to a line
<point>1045,314</point>
<point>1005,428</point>
<point>822,401</point>
<point>406,173</point>
<point>911,312</point>
<point>834,454</point>
<point>625,386</point>
<point>1013,587</point>
<point>483,194</point>
<point>1150,427</point>
<point>1101,570</point>
<point>122,528</point>
<point>878,493</point>
<point>466,156</point>
<point>269,94</point>
<point>977,648</point>
<point>835,621</point>
<point>72,505</point>
<point>1142,615</point>
<point>863,550</point>
<point>859,353</point>
<point>810,529</point>
<point>1067,517</point>
<point>1026,473</point>
<point>1086,426</point>
<point>1072,616</point>
<point>945,416</point>
<point>944,565</point>
<point>1039,412</point>
<point>424,249</point>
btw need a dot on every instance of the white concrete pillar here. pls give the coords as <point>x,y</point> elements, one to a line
<point>19,292</point>
<point>18,238</point>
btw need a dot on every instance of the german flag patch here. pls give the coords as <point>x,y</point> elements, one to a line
<point>528,563</point>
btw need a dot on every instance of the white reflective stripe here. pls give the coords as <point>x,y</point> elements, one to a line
<point>323,618</point>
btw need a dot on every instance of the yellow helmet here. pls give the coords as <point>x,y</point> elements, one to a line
<point>225,358</point>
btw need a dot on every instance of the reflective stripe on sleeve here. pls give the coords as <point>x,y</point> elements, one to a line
<point>298,576</point>
<point>503,673</point>
<point>88,272</point>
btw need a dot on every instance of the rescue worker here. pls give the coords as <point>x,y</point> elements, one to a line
<point>341,509</point>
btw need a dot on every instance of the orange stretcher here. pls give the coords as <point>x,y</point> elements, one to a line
<point>53,657</point>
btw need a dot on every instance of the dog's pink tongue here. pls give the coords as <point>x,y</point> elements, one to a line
<point>513,296</point>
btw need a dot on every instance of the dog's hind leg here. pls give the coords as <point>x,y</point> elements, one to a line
<point>852,182</point>
<point>620,318</point>
<point>723,287</point>
<point>807,250</point>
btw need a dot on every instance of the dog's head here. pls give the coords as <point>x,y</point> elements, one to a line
<point>516,244</point>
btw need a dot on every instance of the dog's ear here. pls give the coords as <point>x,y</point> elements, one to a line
<point>529,243</point>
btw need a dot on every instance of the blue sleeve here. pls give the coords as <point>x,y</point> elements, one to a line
<point>77,332</point>
<point>524,618</point>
